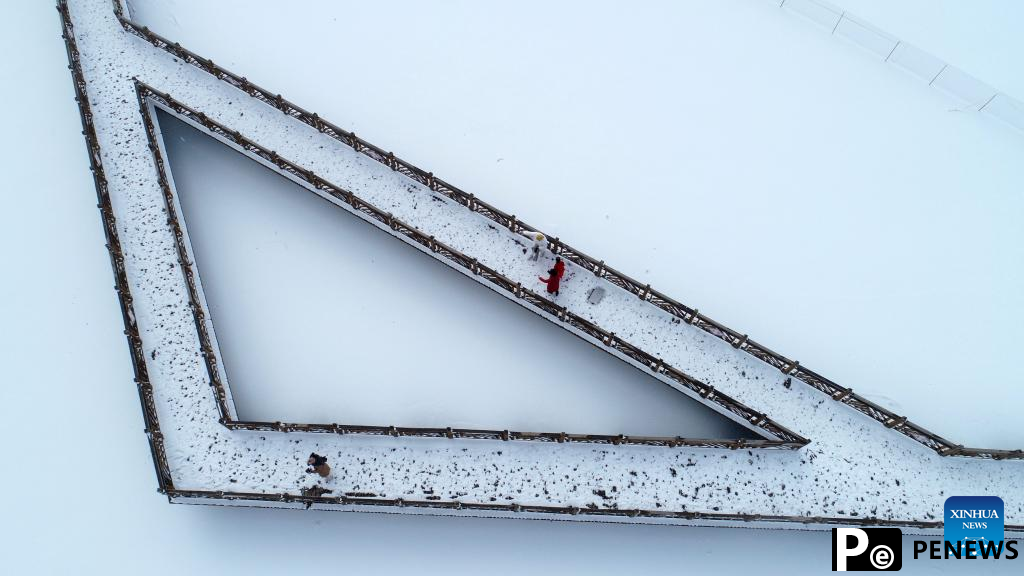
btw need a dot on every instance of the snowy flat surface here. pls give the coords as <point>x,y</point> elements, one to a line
<point>365,330</point>
<point>981,37</point>
<point>70,327</point>
<point>854,467</point>
<point>785,182</point>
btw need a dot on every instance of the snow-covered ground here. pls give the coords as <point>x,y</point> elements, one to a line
<point>364,330</point>
<point>787,183</point>
<point>980,37</point>
<point>64,358</point>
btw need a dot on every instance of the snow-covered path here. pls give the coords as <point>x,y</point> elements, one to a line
<point>853,468</point>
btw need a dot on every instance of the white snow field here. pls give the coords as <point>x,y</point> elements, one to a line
<point>735,155</point>
<point>63,378</point>
<point>982,38</point>
<point>321,318</point>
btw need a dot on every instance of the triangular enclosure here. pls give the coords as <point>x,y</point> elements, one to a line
<point>203,455</point>
<point>321,318</point>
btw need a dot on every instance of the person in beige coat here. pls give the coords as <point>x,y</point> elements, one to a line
<point>537,241</point>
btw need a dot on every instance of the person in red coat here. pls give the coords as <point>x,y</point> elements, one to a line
<point>554,276</point>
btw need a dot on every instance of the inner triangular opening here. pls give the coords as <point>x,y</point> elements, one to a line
<point>322,318</point>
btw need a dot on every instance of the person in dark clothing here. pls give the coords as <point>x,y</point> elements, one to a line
<point>318,464</point>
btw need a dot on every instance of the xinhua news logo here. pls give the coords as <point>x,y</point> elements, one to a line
<point>867,549</point>
<point>974,523</point>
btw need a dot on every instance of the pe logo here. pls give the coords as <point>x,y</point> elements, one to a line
<point>973,522</point>
<point>867,549</point>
